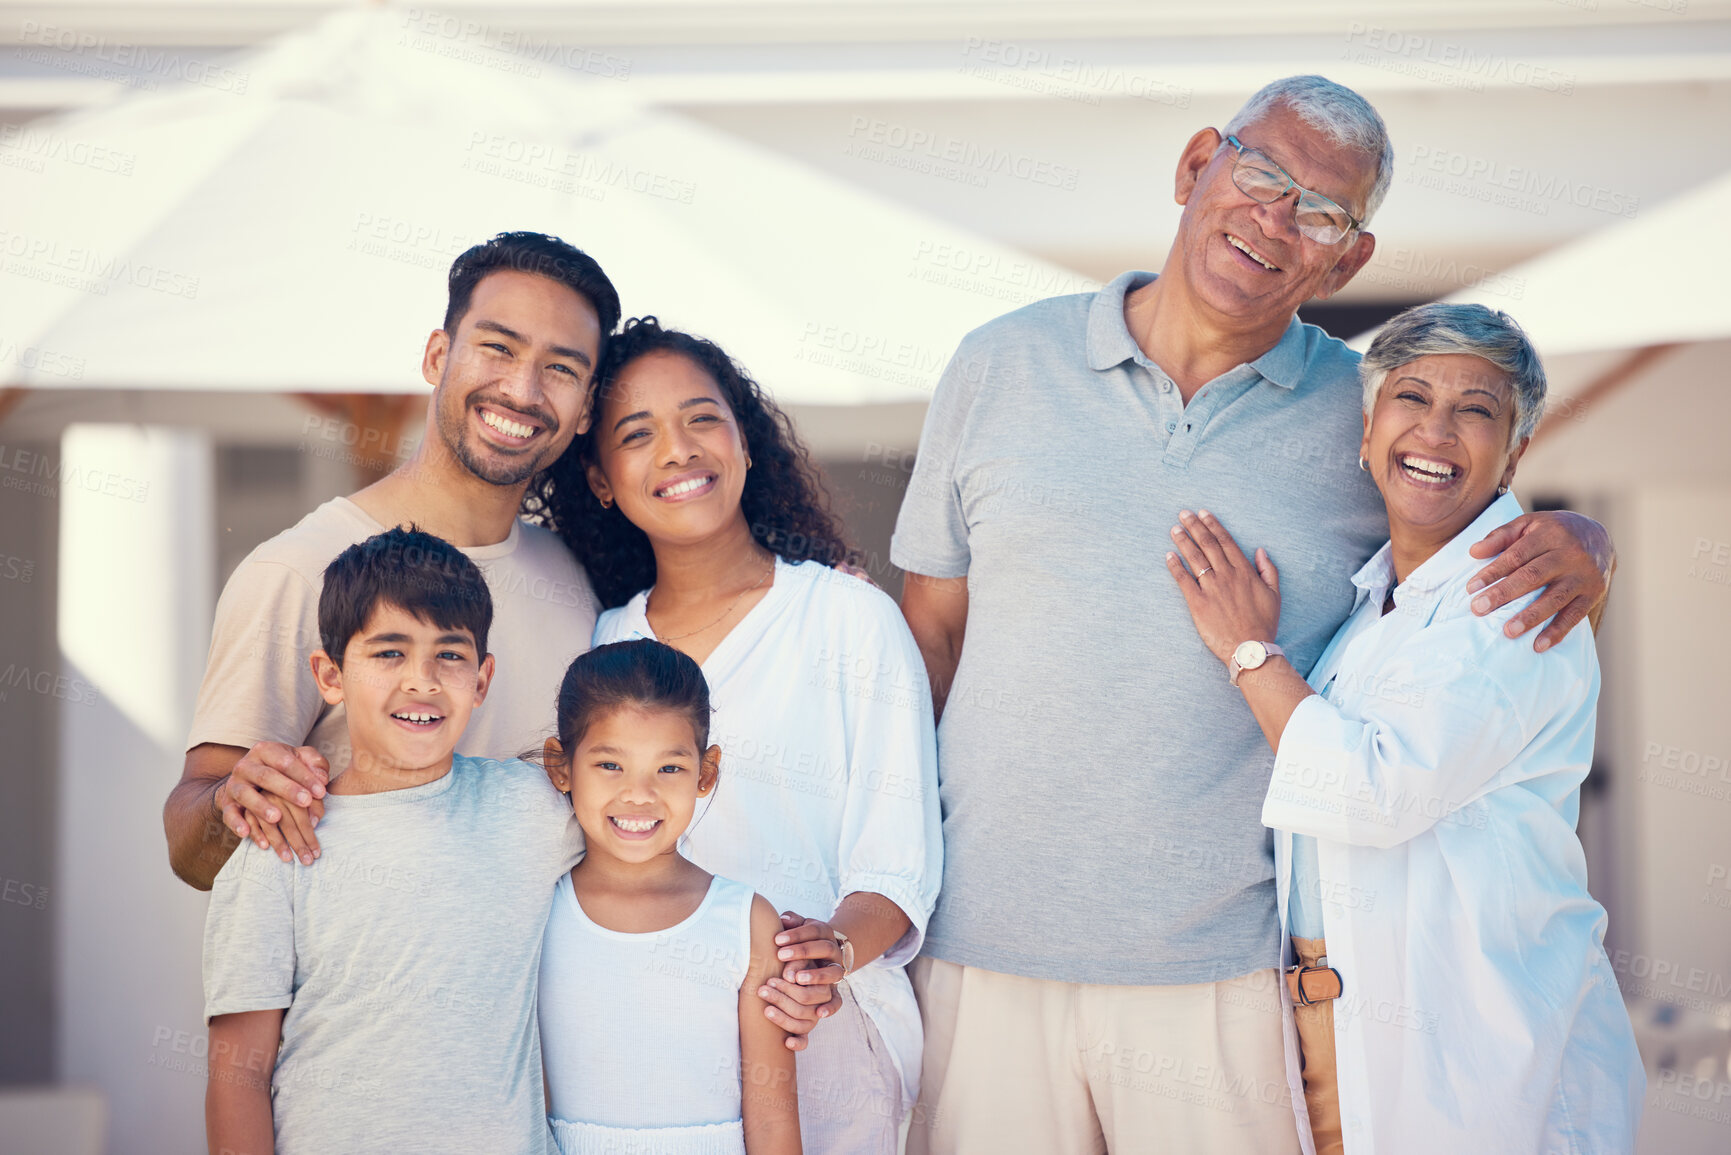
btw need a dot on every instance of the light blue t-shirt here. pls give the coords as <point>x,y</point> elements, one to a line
<point>1098,775</point>
<point>406,958</point>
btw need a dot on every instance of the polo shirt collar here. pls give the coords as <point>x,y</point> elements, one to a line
<point>1110,343</point>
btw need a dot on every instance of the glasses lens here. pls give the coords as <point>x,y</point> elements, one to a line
<point>1321,219</point>
<point>1258,177</point>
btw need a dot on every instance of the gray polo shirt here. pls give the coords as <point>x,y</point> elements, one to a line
<point>1102,784</point>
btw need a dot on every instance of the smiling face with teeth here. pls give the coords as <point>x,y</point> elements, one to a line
<point>1247,262</point>
<point>513,379</point>
<point>669,451</point>
<point>407,688</point>
<point>634,779</point>
<point>1437,444</point>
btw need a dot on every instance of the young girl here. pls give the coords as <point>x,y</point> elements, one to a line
<point>653,1038</point>
<point>702,522</point>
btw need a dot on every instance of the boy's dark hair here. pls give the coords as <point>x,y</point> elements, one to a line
<point>785,501</point>
<point>421,574</point>
<point>536,253</point>
<point>643,673</point>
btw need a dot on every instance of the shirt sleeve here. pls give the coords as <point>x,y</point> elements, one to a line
<point>543,814</point>
<point>931,535</point>
<point>249,940</point>
<point>258,683</point>
<point>1431,730</point>
<point>892,836</point>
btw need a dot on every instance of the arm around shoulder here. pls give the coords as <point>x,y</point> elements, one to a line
<point>769,1093</point>
<point>272,794</point>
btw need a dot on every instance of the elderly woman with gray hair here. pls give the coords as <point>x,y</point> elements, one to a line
<point>1449,987</point>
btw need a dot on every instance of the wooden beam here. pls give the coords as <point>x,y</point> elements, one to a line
<point>1576,405</point>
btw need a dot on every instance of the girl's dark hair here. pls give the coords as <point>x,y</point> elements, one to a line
<point>784,501</point>
<point>643,673</point>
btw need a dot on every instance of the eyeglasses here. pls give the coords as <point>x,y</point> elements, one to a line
<point>1265,182</point>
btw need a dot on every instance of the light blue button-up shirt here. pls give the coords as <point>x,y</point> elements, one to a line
<point>1439,779</point>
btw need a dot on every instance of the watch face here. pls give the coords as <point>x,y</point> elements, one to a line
<point>1250,655</point>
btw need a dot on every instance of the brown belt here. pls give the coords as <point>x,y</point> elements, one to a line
<point>1310,985</point>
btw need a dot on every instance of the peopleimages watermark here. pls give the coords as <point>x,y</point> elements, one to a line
<point>1417,273</point>
<point>47,684</point>
<point>20,893</point>
<point>1711,561</point>
<point>1706,775</point>
<point>1425,57</point>
<point>559,169</point>
<point>87,269</point>
<point>31,148</point>
<point>133,65</point>
<point>505,49</point>
<point>1503,185</point>
<point>933,153</point>
<point>48,362</point>
<point>42,475</point>
<point>993,275</point>
<point>1059,74</point>
<point>880,356</point>
<point>408,242</point>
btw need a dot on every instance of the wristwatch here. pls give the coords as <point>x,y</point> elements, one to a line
<point>841,940</point>
<point>1250,655</point>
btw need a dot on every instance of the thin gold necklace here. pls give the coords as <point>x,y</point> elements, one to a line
<point>731,607</point>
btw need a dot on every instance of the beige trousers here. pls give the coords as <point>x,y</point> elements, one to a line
<point>850,1096</point>
<point>1016,1065</point>
<point>1315,1025</point>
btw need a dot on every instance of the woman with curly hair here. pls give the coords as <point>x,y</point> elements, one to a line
<point>703,524</point>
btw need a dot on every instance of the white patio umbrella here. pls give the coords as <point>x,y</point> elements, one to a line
<point>287,225</point>
<point>1634,325</point>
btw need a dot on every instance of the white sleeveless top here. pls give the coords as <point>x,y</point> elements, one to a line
<point>640,1032</point>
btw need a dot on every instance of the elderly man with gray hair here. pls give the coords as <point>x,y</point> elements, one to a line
<point>1100,972</point>
<point>1439,769</point>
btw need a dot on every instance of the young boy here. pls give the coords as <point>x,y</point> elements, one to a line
<point>383,998</point>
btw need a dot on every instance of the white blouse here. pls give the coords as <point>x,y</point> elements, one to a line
<point>1439,771</point>
<point>828,769</point>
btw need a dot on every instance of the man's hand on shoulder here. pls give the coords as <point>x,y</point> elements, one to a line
<point>275,796</point>
<point>1565,554</point>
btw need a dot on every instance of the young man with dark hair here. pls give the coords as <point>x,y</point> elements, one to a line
<point>510,370</point>
<point>526,318</point>
<point>383,999</point>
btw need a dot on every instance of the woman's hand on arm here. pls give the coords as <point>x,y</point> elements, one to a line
<point>797,1004</point>
<point>1567,555</point>
<point>811,958</point>
<point>237,1105</point>
<point>1233,600</point>
<point>769,1092</point>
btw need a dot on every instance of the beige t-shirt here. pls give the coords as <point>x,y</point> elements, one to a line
<point>258,684</point>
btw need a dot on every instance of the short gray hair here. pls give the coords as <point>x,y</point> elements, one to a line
<point>1440,328</point>
<point>1336,111</point>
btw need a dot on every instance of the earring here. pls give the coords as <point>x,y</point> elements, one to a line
<point>748,461</point>
<point>1502,489</point>
<point>606,502</point>
<point>1364,465</point>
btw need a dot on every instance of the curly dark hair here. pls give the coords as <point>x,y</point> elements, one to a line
<point>785,501</point>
